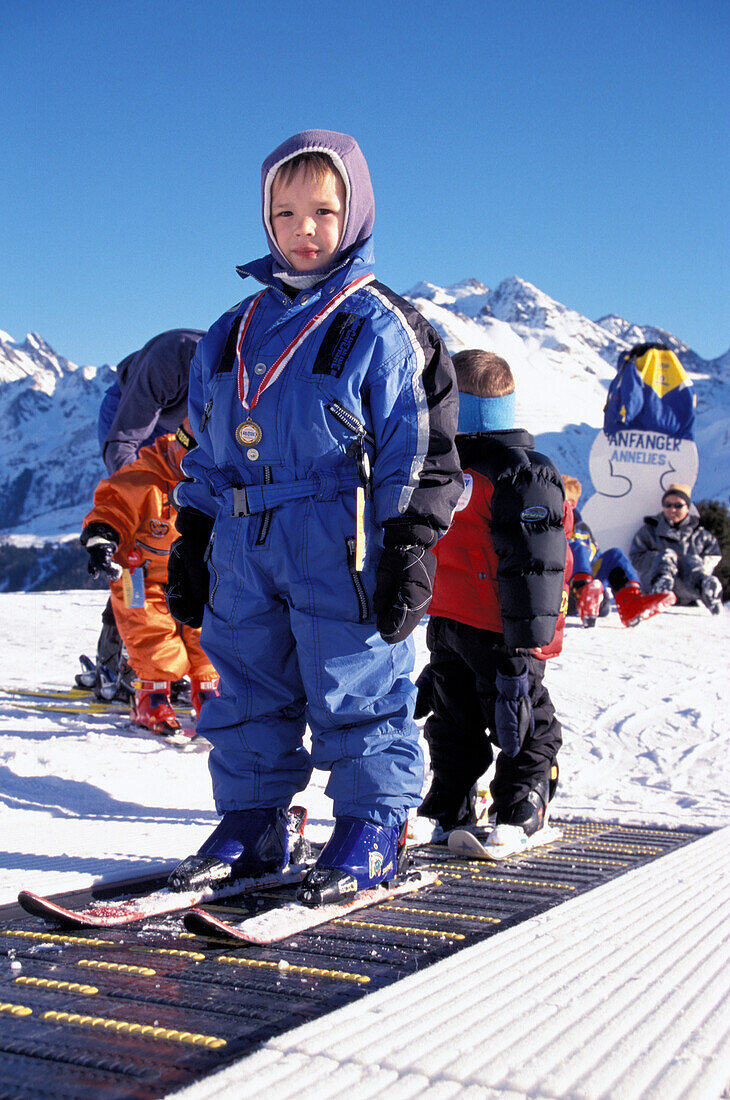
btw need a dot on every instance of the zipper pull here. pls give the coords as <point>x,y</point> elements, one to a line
<point>206,414</point>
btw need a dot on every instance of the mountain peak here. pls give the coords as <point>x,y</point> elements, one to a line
<point>34,359</point>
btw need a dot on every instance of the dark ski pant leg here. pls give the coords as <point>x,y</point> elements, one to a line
<point>464,660</point>
<point>516,776</point>
<point>455,731</point>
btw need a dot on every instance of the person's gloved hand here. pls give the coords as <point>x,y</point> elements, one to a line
<point>513,717</point>
<point>101,542</point>
<point>666,562</point>
<point>188,579</point>
<point>404,579</point>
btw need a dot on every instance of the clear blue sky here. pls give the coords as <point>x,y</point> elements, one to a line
<point>582,145</point>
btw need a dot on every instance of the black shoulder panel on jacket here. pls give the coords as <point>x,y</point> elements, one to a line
<point>527,534</point>
<point>440,479</point>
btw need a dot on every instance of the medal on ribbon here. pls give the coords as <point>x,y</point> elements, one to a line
<point>248,432</point>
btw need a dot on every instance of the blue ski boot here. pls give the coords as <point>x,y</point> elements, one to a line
<point>246,844</point>
<point>358,856</point>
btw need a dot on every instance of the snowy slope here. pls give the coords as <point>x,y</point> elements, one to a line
<point>643,712</point>
<point>621,992</point>
<point>562,361</point>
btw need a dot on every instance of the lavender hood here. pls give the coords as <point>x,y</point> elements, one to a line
<point>349,161</point>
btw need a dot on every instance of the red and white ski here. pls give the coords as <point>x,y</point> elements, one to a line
<point>290,918</point>
<point>120,911</point>
<point>135,907</point>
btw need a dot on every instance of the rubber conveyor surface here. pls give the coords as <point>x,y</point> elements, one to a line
<point>134,1013</point>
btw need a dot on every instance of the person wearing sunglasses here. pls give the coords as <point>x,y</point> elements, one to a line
<point>674,553</point>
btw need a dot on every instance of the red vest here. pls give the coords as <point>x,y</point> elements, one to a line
<point>465,588</point>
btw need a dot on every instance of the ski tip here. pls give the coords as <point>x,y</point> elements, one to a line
<point>29,901</point>
<point>47,910</point>
<point>464,843</point>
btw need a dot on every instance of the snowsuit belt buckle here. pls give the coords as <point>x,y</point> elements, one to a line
<point>240,502</point>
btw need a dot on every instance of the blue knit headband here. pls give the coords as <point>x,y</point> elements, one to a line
<point>486,414</point>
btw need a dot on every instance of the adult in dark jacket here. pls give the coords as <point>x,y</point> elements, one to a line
<point>674,553</point>
<point>594,568</point>
<point>149,397</point>
<point>497,601</point>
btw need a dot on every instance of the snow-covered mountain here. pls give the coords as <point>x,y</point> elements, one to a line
<point>562,361</point>
<point>49,451</point>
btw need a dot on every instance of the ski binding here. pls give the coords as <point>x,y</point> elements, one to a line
<point>292,917</point>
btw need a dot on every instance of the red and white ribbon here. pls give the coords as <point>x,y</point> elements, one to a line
<point>275,371</point>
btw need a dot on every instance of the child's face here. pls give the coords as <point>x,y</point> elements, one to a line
<point>308,217</point>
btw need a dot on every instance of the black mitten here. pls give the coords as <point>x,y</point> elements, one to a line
<point>404,581</point>
<point>101,542</point>
<point>188,579</point>
<point>513,717</point>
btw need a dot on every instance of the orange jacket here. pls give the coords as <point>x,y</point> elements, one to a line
<point>135,501</point>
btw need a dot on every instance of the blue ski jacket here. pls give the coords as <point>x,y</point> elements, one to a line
<point>369,395</point>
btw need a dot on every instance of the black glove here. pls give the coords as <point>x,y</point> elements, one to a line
<point>424,698</point>
<point>188,579</point>
<point>404,580</point>
<point>101,542</point>
<point>513,717</point>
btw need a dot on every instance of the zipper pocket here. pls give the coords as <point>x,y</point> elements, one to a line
<point>362,597</point>
<point>356,449</point>
<point>266,517</point>
<point>351,422</point>
<point>208,559</point>
<point>206,414</point>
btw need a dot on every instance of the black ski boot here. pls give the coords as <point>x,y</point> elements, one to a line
<point>245,844</point>
<point>530,814</point>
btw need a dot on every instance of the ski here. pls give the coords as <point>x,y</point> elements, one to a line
<point>69,694</point>
<point>132,907</point>
<point>291,917</point>
<point>71,701</point>
<point>121,911</point>
<point>74,703</point>
<point>503,842</point>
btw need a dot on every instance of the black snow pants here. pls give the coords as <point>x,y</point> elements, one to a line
<point>460,729</point>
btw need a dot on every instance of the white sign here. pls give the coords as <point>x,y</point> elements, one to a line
<point>631,470</point>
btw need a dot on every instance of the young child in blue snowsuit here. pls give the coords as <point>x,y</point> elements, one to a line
<point>325,409</point>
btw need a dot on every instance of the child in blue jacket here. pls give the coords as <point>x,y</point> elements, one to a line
<point>325,409</point>
<point>593,569</point>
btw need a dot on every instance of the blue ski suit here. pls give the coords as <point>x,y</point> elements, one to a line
<point>588,559</point>
<point>366,408</point>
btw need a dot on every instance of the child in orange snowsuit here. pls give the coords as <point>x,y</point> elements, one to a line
<point>131,528</point>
